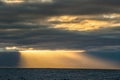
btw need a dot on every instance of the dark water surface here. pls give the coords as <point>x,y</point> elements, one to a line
<point>58,74</point>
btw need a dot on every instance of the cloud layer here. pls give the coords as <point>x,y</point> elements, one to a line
<point>26,24</point>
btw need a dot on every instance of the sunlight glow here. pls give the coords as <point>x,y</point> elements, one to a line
<point>39,1</point>
<point>28,1</point>
<point>13,1</point>
<point>60,59</point>
<point>11,48</point>
<point>80,24</point>
<point>111,16</point>
<point>56,51</point>
<point>48,1</point>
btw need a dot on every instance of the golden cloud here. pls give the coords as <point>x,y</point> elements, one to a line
<point>29,1</point>
<point>87,24</point>
<point>13,1</point>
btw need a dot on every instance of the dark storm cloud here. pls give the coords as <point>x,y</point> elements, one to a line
<point>108,2</point>
<point>22,12</point>
<point>17,26</point>
<point>43,37</point>
<point>29,11</point>
<point>14,31</point>
<point>88,6</point>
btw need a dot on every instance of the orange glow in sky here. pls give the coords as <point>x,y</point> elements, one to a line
<point>59,59</point>
<point>29,1</point>
<point>13,1</point>
<point>76,23</point>
<point>85,25</point>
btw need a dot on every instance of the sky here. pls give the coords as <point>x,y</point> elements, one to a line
<point>69,25</point>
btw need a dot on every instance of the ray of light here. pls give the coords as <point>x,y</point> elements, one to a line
<point>60,59</point>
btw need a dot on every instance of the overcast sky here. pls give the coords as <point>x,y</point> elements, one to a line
<point>92,26</point>
<point>60,24</point>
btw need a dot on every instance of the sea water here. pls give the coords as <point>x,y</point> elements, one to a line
<point>58,74</point>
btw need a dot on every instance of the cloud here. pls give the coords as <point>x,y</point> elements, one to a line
<point>44,37</point>
<point>25,24</point>
<point>64,7</point>
<point>87,6</point>
<point>37,12</point>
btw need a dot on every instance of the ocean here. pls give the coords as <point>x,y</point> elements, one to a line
<point>58,74</point>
